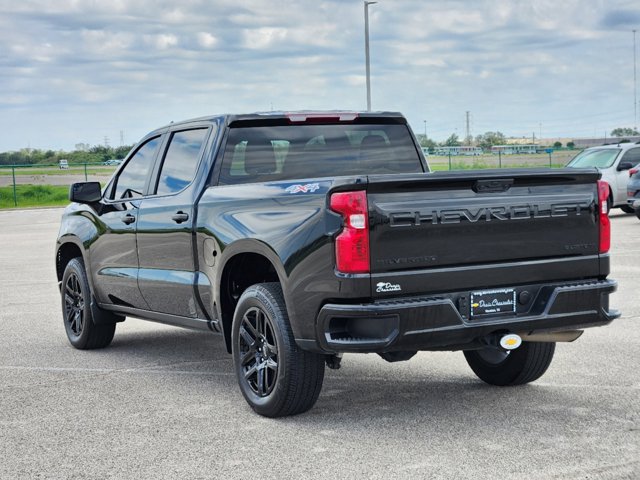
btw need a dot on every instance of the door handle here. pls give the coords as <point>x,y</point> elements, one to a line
<point>128,219</point>
<point>180,217</point>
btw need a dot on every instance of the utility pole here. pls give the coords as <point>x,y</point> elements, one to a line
<point>121,138</point>
<point>467,138</point>
<point>366,51</point>
<point>106,141</point>
<point>425,129</point>
<point>540,137</point>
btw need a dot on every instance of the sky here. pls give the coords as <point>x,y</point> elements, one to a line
<point>74,71</point>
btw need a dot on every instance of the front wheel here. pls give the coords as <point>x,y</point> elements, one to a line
<point>627,209</point>
<point>525,364</point>
<point>275,377</point>
<point>82,332</point>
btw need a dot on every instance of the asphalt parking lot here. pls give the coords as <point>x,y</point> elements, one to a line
<point>163,402</point>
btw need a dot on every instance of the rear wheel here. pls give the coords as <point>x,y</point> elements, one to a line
<point>81,330</point>
<point>500,367</point>
<point>627,209</point>
<point>275,377</point>
<point>638,213</point>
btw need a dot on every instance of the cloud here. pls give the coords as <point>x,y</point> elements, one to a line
<point>621,18</point>
<point>76,70</point>
<point>206,40</point>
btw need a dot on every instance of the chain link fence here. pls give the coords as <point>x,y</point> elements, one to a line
<point>40,185</point>
<point>554,158</point>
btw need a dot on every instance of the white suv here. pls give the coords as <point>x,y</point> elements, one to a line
<point>614,161</point>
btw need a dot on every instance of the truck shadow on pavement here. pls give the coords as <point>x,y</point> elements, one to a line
<point>428,388</point>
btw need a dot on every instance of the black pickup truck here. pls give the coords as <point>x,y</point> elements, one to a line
<point>302,236</point>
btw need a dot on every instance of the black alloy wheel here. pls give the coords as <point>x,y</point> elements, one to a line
<point>74,305</point>
<point>258,351</point>
<point>275,376</point>
<point>82,331</point>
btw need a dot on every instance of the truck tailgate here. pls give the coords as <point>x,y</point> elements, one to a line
<point>440,221</point>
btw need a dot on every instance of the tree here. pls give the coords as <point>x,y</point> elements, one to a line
<point>426,142</point>
<point>557,145</point>
<point>571,145</point>
<point>121,152</point>
<point>452,141</point>
<point>96,154</point>
<point>489,139</point>
<point>623,132</point>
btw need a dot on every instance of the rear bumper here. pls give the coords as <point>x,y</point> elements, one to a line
<point>443,322</point>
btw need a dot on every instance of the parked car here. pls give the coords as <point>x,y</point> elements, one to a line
<point>614,162</point>
<point>633,190</point>
<point>63,164</point>
<point>301,236</point>
<point>112,162</point>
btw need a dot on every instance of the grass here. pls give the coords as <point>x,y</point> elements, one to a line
<point>439,167</point>
<point>54,195</point>
<point>538,160</point>
<point>35,196</point>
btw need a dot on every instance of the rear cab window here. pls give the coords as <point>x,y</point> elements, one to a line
<point>258,154</point>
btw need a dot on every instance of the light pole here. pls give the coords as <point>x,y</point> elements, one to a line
<point>425,130</point>
<point>366,51</point>
<point>635,85</point>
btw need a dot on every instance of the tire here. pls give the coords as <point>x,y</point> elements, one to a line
<point>627,209</point>
<point>81,330</point>
<point>523,365</point>
<point>275,377</point>
<point>637,210</point>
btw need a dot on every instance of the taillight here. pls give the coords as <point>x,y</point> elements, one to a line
<point>352,244</point>
<point>605,223</point>
<point>633,171</point>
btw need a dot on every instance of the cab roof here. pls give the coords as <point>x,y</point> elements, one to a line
<point>292,117</point>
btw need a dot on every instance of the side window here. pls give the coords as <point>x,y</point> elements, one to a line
<point>133,177</point>
<point>632,156</point>
<point>180,162</point>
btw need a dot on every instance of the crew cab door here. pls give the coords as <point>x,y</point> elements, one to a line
<point>167,272</point>
<point>113,255</point>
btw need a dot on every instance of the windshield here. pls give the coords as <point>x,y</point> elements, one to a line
<point>602,158</point>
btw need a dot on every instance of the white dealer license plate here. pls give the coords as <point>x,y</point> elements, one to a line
<point>492,302</point>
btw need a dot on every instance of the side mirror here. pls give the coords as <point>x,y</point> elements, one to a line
<point>622,166</point>
<point>85,192</point>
